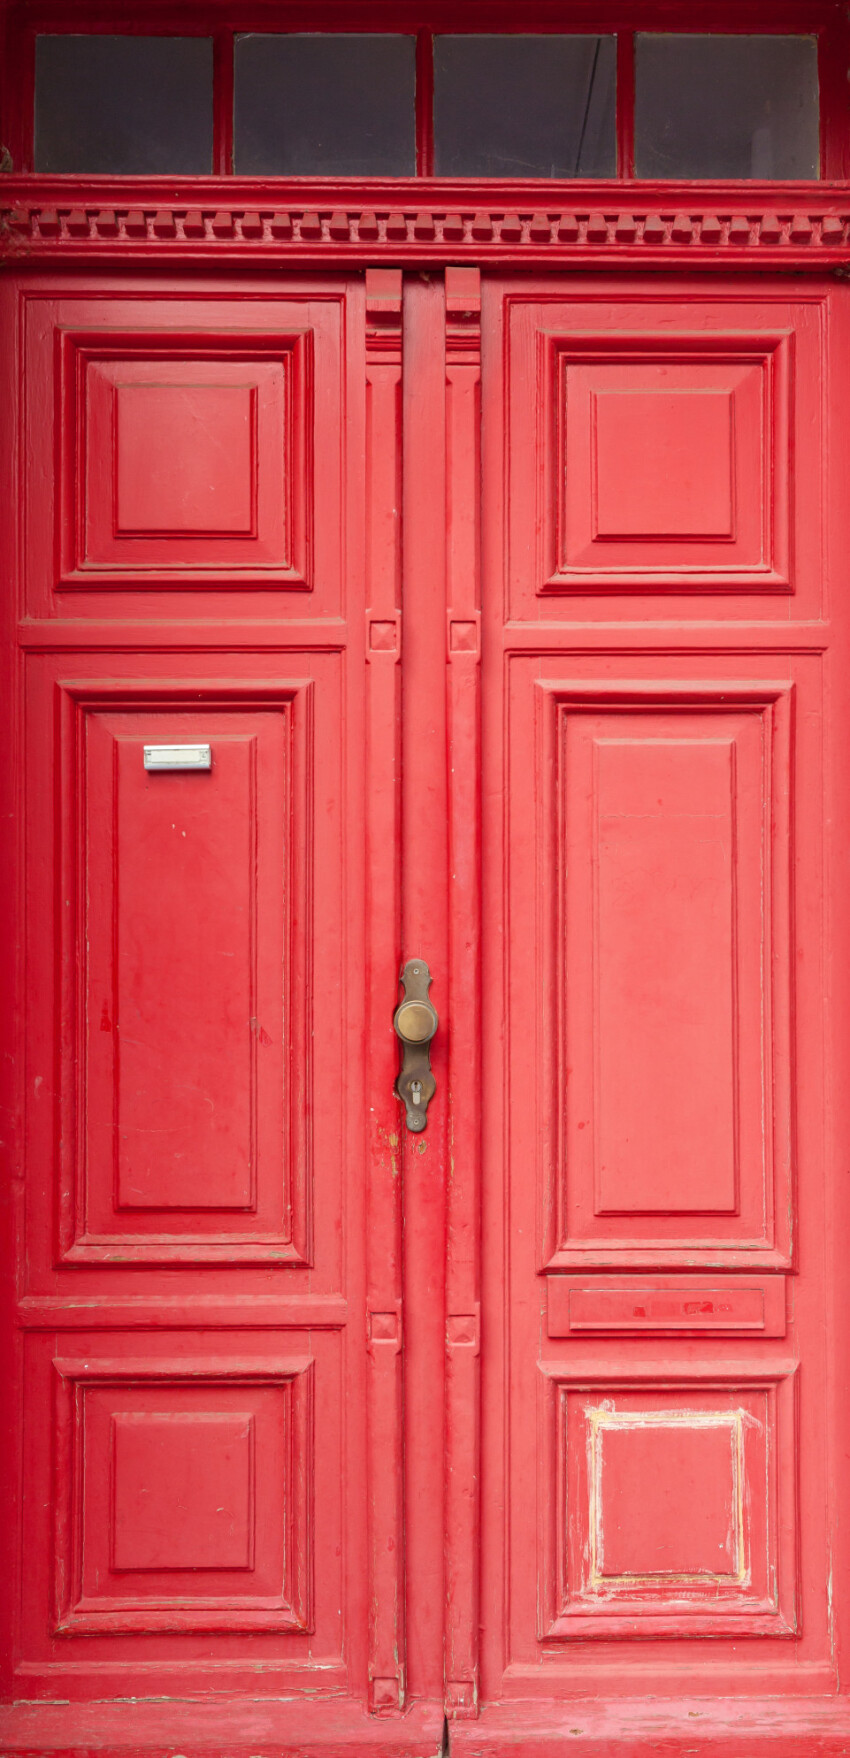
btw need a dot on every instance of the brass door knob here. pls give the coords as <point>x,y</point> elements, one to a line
<point>415,1021</point>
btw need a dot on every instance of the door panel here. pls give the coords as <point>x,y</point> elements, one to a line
<point>191,948</point>
<point>211,1414</point>
<point>664,875</point>
<point>186,939</point>
<point>662,445</point>
<point>251,1310</point>
<point>192,436</point>
<point>656,1444</point>
<point>195,1144</point>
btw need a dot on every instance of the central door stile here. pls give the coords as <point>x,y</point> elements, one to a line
<point>384,1414</point>
<point>424,845</point>
<point>462,1452</point>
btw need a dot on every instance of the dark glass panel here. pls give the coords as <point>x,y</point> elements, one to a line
<point>521,106</point>
<point>123,104</point>
<point>325,106</point>
<point>726,106</point>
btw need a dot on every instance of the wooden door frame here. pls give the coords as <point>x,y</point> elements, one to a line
<point>223,19</point>
<point>442,234</point>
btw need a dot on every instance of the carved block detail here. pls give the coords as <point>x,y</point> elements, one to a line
<point>410,232</point>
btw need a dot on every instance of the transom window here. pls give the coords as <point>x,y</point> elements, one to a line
<point>528,103</point>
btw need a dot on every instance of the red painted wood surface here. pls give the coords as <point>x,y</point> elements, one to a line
<point>208,1288</point>
<point>534,664</point>
<point>657,1489</point>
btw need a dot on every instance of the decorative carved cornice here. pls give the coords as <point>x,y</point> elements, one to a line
<point>813,223</point>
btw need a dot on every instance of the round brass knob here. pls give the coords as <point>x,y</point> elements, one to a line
<point>416,1021</point>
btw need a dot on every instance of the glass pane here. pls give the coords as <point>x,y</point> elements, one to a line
<point>123,104</point>
<point>726,106</point>
<point>525,106</point>
<point>326,106</point>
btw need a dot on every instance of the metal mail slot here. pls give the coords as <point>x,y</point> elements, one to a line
<point>178,756</point>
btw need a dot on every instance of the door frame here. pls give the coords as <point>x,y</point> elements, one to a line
<point>54,225</point>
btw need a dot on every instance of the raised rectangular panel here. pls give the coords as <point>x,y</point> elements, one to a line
<point>186,459</point>
<point>183,1490</point>
<point>668,860</point>
<point>186,962</point>
<point>671,1306</point>
<point>184,929</point>
<point>657,449</point>
<point>186,462</point>
<point>673,1506</point>
<point>671,467</point>
<point>183,1498</point>
<point>666,1498</point>
<point>662,462</point>
<point>663,846</point>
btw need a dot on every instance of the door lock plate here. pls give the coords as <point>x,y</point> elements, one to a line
<point>415,1021</point>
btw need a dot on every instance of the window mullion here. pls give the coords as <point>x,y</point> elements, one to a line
<point>223,102</point>
<point>424,103</point>
<point>625,104</point>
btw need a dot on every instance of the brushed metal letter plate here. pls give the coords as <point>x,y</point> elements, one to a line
<point>178,757</point>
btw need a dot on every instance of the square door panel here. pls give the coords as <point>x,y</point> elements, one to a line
<point>667,846</point>
<point>186,461</point>
<point>666,465</point>
<point>180,443</point>
<point>186,955</point>
<point>183,1490</point>
<point>183,1494</point>
<point>674,1506</point>
<point>185,457</point>
<point>661,454</point>
<point>659,447</point>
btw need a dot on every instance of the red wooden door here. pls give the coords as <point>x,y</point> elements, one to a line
<point>321,1427</point>
<point>661,1445</point>
<point>208,1286</point>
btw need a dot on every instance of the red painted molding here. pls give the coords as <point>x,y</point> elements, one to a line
<point>62,219</point>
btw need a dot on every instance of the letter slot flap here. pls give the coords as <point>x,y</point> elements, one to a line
<point>178,756</point>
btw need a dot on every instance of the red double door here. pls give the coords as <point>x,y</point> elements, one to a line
<point>507,626</point>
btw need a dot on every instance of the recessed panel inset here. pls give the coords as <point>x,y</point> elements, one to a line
<point>203,480</point>
<point>678,1504</point>
<point>665,467</point>
<point>659,449</point>
<point>663,463</point>
<point>187,462</point>
<point>185,929</point>
<point>691,1528</point>
<point>182,1490</point>
<point>666,969</point>
<point>678,1305</point>
<point>671,953</point>
<point>189,940</point>
<point>183,1499</point>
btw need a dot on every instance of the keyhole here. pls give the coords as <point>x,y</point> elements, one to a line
<point>416,1092</point>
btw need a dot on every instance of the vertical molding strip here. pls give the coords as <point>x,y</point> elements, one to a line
<point>425,871</point>
<point>384,1414</point>
<point>463,385</point>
